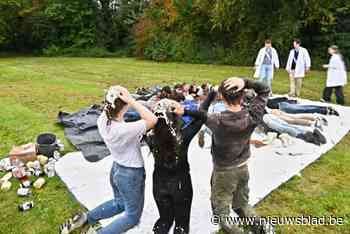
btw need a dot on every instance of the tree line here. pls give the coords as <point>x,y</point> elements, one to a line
<point>196,31</point>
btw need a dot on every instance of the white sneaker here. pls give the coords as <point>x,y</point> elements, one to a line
<point>271,136</point>
<point>90,230</point>
<point>74,223</point>
<point>286,139</point>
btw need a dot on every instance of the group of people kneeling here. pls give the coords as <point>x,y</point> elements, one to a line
<point>168,135</point>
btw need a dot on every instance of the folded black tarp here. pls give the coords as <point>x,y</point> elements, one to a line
<point>80,129</point>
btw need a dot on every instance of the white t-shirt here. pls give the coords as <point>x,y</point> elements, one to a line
<point>123,140</point>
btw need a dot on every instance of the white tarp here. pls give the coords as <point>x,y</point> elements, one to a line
<point>269,167</point>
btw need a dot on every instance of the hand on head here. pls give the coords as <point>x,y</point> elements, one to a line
<point>216,88</point>
<point>125,95</point>
<point>234,83</point>
<point>178,109</point>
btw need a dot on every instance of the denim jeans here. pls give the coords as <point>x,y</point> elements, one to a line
<point>298,109</point>
<point>282,126</point>
<point>266,74</point>
<point>129,189</point>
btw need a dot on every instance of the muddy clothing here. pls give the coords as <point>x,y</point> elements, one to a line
<point>227,184</point>
<point>230,191</point>
<point>232,130</point>
<point>230,151</point>
<point>172,185</point>
<point>173,196</point>
<point>180,165</point>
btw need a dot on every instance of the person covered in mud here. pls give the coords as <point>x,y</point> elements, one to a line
<point>231,131</point>
<point>172,187</point>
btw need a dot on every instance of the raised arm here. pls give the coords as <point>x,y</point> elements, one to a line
<point>258,104</point>
<point>199,116</point>
<point>146,115</point>
<point>202,113</point>
<point>210,98</point>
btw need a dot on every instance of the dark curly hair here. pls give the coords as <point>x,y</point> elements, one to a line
<point>231,96</point>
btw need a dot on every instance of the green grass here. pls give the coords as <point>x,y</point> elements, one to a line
<point>33,90</point>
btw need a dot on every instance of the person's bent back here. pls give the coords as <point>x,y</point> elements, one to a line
<point>127,176</point>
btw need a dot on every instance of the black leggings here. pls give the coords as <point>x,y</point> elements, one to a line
<point>327,94</point>
<point>173,195</point>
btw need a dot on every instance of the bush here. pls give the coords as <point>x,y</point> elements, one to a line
<point>95,52</point>
<point>52,51</point>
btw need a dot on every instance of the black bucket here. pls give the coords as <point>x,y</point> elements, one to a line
<point>47,144</point>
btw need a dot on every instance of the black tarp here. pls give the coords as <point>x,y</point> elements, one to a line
<point>80,129</point>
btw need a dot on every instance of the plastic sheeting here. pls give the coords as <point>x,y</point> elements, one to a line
<point>269,167</point>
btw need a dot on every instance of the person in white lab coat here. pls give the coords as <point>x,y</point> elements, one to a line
<point>265,63</point>
<point>298,64</point>
<point>336,76</point>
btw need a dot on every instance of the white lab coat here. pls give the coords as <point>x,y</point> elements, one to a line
<point>336,74</point>
<point>303,62</point>
<point>260,59</point>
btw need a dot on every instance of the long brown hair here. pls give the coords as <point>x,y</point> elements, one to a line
<point>167,145</point>
<point>111,112</point>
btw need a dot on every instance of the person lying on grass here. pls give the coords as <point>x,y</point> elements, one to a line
<point>172,187</point>
<point>127,176</point>
<point>231,132</point>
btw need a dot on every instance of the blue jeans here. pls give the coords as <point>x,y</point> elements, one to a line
<point>129,189</point>
<point>282,126</point>
<point>299,109</point>
<point>266,74</point>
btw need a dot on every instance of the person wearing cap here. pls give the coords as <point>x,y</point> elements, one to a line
<point>265,63</point>
<point>127,175</point>
<point>231,130</point>
<point>336,76</point>
<point>298,64</point>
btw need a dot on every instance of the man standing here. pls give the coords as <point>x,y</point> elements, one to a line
<point>265,63</point>
<point>231,130</point>
<point>298,64</point>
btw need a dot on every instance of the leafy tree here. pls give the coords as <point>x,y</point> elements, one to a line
<point>213,31</point>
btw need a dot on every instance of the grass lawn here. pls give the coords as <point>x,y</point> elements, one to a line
<point>33,90</point>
